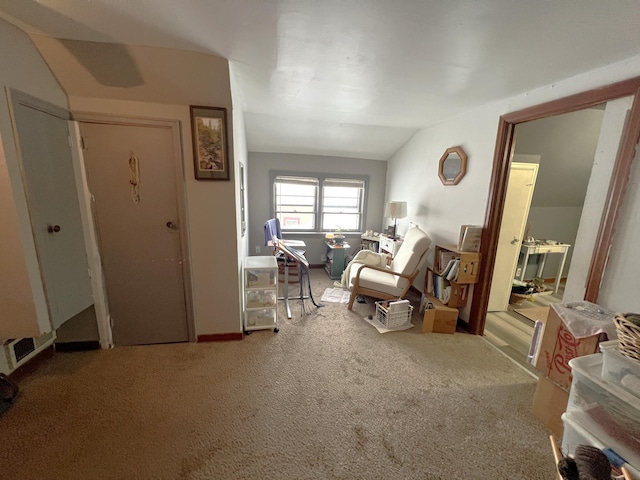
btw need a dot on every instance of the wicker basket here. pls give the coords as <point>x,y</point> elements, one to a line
<point>628,336</point>
<point>518,298</point>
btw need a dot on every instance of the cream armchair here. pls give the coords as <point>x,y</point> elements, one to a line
<point>388,283</point>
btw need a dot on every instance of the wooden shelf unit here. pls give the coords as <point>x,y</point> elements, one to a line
<point>468,272</point>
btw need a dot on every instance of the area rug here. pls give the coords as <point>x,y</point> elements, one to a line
<point>533,314</point>
<point>335,295</point>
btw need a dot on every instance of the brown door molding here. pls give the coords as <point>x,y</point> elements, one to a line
<point>500,176</point>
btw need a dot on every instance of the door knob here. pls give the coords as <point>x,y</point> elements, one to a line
<point>172,225</point>
<point>53,228</point>
<point>515,240</point>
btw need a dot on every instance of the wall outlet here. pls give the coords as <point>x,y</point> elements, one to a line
<point>258,248</point>
<point>518,272</point>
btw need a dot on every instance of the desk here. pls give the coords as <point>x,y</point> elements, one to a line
<point>336,255</point>
<point>544,250</point>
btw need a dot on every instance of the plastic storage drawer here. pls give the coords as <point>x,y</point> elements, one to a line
<point>575,434</point>
<point>260,318</point>
<point>607,411</point>
<point>261,298</point>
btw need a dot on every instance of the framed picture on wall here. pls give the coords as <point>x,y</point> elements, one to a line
<point>209,134</point>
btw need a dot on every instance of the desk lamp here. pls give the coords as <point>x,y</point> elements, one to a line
<point>395,210</point>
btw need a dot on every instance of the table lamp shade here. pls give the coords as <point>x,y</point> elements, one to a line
<point>396,210</point>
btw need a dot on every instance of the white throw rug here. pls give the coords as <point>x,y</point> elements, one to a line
<point>335,295</point>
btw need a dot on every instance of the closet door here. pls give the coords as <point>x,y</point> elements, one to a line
<point>42,138</point>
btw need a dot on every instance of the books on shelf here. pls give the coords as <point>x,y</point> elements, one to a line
<point>445,290</point>
<point>452,273</point>
<point>444,258</point>
<point>469,238</point>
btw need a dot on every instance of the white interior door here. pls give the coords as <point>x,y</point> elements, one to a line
<point>131,172</point>
<point>43,137</point>
<point>522,181</point>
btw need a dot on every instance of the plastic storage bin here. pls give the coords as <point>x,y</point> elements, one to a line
<point>620,369</point>
<point>260,293</point>
<point>575,434</point>
<point>606,411</point>
<point>394,314</point>
<point>264,317</point>
<point>260,298</point>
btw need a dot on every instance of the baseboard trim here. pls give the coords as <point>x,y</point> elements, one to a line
<point>220,337</point>
<point>77,346</point>
<point>32,365</point>
<point>316,265</point>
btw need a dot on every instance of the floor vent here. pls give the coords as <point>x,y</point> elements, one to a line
<point>19,351</point>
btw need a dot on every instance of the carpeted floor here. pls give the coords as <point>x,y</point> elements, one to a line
<point>328,397</point>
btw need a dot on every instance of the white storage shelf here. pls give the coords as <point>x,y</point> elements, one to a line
<point>260,293</point>
<point>607,412</point>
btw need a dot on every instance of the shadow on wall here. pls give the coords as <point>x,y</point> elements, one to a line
<point>109,63</point>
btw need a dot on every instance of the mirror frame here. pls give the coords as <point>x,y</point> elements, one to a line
<point>463,166</point>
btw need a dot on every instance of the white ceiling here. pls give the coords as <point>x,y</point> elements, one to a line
<point>359,77</point>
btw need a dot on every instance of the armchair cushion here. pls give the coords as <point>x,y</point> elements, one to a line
<point>416,242</point>
<point>377,280</point>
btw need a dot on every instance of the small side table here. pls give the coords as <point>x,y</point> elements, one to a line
<point>544,250</point>
<point>336,255</point>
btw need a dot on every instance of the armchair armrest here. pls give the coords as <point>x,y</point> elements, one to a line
<point>385,270</point>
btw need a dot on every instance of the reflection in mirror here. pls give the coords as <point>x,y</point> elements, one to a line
<point>453,166</point>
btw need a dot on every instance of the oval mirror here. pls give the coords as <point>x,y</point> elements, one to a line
<point>453,166</point>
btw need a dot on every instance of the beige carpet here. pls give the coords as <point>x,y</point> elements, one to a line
<point>327,397</point>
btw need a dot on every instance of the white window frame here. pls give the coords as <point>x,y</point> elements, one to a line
<point>319,212</point>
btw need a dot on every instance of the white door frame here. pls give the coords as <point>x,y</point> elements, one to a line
<point>102,308</point>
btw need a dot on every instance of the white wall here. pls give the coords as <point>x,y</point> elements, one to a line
<point>621,282</point>
<point>442,209</point>
<point>23,310</point>
<point>258,188</point>
<point>240,156</point>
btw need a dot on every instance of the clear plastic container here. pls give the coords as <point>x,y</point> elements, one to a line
<point>264,317</point>
<point>260,298</point>
<point>604,409</point>
<point>575,434</point>
<point>620,369</point>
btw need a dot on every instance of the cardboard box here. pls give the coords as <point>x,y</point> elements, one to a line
<point>549,403</point>
<point>558,346</point>
<point>440,318</point>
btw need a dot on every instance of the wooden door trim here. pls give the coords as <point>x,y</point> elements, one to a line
<point>174,125</point>
<point>500,174</point>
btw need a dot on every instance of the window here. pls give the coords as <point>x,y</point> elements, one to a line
<point>319,203</point>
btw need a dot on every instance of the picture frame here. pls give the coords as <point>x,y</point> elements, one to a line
<point>209,135</point>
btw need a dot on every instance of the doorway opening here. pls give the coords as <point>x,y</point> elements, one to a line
<point>541,219</point>
<point>611,201</point>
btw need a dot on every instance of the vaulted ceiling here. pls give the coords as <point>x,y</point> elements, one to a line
<point>358,77</point>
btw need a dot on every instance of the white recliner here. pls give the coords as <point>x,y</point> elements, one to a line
<point>388,283</point>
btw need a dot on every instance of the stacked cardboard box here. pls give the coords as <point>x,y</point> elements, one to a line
<point>556,347</point>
